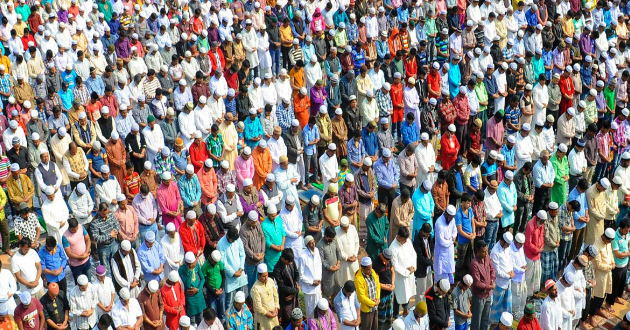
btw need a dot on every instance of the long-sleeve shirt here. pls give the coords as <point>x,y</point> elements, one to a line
<point>483,274</point>
<point>53,262</point>
<point>386,173</point>
<point>151,259</point>
<point>534,239</point>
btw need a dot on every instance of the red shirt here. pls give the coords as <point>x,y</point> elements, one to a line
<point>193,239</point>
<point>198,154</point>
<point>534,239</point>
<point>475,143</point>
<point>450,148</point>
<point>29,316</point>
<point>566,85</point>
<point>434,81</point>
<point>173,297</point>
<point>529,325</point>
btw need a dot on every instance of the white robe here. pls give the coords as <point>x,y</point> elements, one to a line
<point>277,148</point>
<point>203,120</point>
<point>444,256</point>
<point>425,158</point>
<point>579,289</point>
<point>292,223</point>
<point>348,243</point>
<point>264,56</point>
<point>403,257</point>
<point>567,304</point>
<point>329,168</point>
<point>187,127</point>
<point>55,212</point>
<point>250,41</point>
<point>173,251</point>
<point>312,74</point>
<point>154,139</point>
<point>523,149</point>
<point>285,186</point>
<point>283,89</point>
<point>134,272</point>
<point>551,314</point>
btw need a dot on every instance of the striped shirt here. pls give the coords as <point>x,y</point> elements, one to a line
<point>102,228</point>
<point>4,170</point>
<point>82,302</point>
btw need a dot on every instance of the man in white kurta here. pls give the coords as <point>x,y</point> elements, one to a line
<point>203,119</point>
<point>310,267</point>
<point>328,166</point>
<point>445,233</point>
<point>154,138</point>
<point>425,158</point>
<point>276,147</point>
<point>250,44</point>
<point>404,262</point>
<point>504,271</point>
<point>519,287</point>
<point>55,213</point>
<point>293,226</point>
<point>312,73</point>
<point>173,248</point>
<point>566,299</point>
<point>283,87</point>
<point>347,239</point>
<point>216,107</point>
<point>187,126</point>
<point>270,95</point>
<point>134,270</point>
<point>287,179</point>
<point>551,313</point>
<point>579,285</point>
<point>523,147</point>
<point>540,96</point>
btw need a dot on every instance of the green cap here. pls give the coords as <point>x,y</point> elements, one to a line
<point>529,309</point>
<point>151,118</point>
<point>502,112</point>
<point>344,162</point>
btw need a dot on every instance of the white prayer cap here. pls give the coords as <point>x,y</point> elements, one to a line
<point>171,226</point>
<point>271,209</point>
<point>166,151</point>
<point>35,136</point>
<point>230,187</point>
<point>125,245</point>
<point>452,128</point>
<point>184,321</point>
<point>519,238</point>
<point>15,167</point>
<point>124,294</point>
<point>493,154</point>
<point>468,280</point>
<point>120,197</point>
<point>344,221</point>
<point>262,268</point>
<point>322,304</point>
<point>291,200</point>
<point>507,236</point>
<point>189,257</point>
<point>247,151</point>
<point>166,176</point>
<point>424,136</point>
<point>569,277</point>
<point>105,110</point>
<point>366,261</point>
<point>333,147</point>
<point>115,136</point>
<point>444,285</point>
<point>506,319</point>
<point>610,233</point>
<point>25,298</point>
<point>451,210</point>
<point>247,182</point>
<point>542,215</point>
<point>511,139</point>
<point>208,163</point>
<point>147,165</point>
<point>562,147</point>
<point>252,215</point>
<point>387,153</point>
<point>315,199</point>
<point>82,280</point>
<point>605,183</point>
<point>49,190</point>
<point>212,209</point>
<point>153,284</point>
<point>173,276</point>
<point>239,297</point>
<point>271,177</point>
<point>191,214</point>
<point>526,127</point>
<point>367,161</point>
<point>349,177</point>
<point>426,184</point>
<point>81,189</point>
<point>509,175</point>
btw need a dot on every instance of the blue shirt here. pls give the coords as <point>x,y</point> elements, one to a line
<point>150,260</point>
<point>543,174</point>
<point>410,133</point>
<point>69,77</point>
<point>53,262</point>
<point>580,197</point>
<point>95,85</point>
<point>507,198</point>
<point>67,98</point>
<point>190,189</point>
<point>180,161</point>
<point>309,134</point>
<point>370,142</point>
<point>386,173</point>
<point>355,154</point>
<point>465,221</point>
<point>253,129</point>
<point>532,18</point>
<point>509,154</point>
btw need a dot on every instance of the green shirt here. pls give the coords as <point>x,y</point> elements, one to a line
<point>274,234</point>
<point>539,67</point>
<point>620,244</point>
<point>609,95</point>
<point>213,274</point>
<point>378,232</point>
<point>482,95</point>
<point>559,191</point>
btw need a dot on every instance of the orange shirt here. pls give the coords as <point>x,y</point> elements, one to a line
<point>262,165</point>
<point>208,183</point>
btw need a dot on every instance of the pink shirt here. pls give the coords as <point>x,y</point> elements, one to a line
<point>169,199</point>
<point>534,239</point>
<point>244,169</point>
<point>495,130</point>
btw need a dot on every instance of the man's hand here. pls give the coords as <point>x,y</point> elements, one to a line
<point>316,282</point>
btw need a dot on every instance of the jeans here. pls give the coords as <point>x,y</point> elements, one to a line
<point>563,253</point>
<point>492,227</point>
<point>310,161</point>
<point>105,254</point>
<point>600,171</point>
<point>480,309</point>
<point>275,61</point>
<point>217,303</point>
<point>81,270</point>
<point>143,229</point>
<point>252,275</point>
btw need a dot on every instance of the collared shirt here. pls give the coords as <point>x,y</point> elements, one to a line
<point>543,174</point>
<point>346,308</point>
<point>151,259</point>
<point>310,133</point>
<point>386,174</point>
<point>81,301</point>
<point>53,261</point>
<point>126,316</point>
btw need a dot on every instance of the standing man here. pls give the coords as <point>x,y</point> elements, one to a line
<point>368,290</point>
<point>482,271</point>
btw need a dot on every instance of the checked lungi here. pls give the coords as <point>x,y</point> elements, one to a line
<point>532,276</point>
<point>549,264</point>
<point>385,312</point>
<point>501,302</point>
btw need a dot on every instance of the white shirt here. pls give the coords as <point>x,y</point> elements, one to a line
<point>154,139</point>
<point>124,316</point>
<point>492,204</point>
<point>425,158</point>
<point>277,148</point>
<point>346,308</point>
<point>104,292</point>
<point>8,287</point>
<point>502,262</point>
<point>26,266</point>
<point>270,95</point>
<point>403,257</point>
<point>8,135</point>
<point>329,168</point>
<point>541,98</point>
<point>187,127</point>
<point>81,207</point>
<point>216,108</point>
<point>81,301</point>
<point>292,223</point>
<point>577,162</point>
<point>412,324</point>
<point>40,178</point>
<point>310,270</point>
<point>524,149</point>
<point>348,243</point>
<point>134,271</point>
<point>203,120</point>
<point>173,251</point>
<point>54,213</point>
<point>283,88</point>
<point>255,96</point>
<point>551,314</point>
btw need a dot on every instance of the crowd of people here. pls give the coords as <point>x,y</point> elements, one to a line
<point>320,165</point>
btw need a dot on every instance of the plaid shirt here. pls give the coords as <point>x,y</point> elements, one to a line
<point>604,143</point>
<point>230,106</point>
<point>565,219</point>
<point>285,116</point>
<point>5,85</point>
<point>223,179</point>
<point>479,211</point>
<point>520,79</point>
<point>620,135</point>
<point>101,229</point>
<point>215,147</point>
<point>371,285</point>
<point>352,30</point>
<point>590,112</point>
<point>81,94</point>
<point>508,53</point>
<point>162,165</point>
<point>240,320</point>
<point>384,103</point>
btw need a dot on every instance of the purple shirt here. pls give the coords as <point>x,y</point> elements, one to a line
<point>250,207</point>
<point>213,35</point>
<point>558,58</point>
<point>62,15</point>
<point>123,48</point>
<point>586,45</point>
<point>318,98</point>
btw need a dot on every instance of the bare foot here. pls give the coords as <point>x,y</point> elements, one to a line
<point>619,301</point>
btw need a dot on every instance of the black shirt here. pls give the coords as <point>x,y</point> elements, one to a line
<point>23,159</point>
<point>384,273</point>
<point>55,310</point>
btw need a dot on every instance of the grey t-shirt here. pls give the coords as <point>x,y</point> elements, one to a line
<point>460,303</point>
